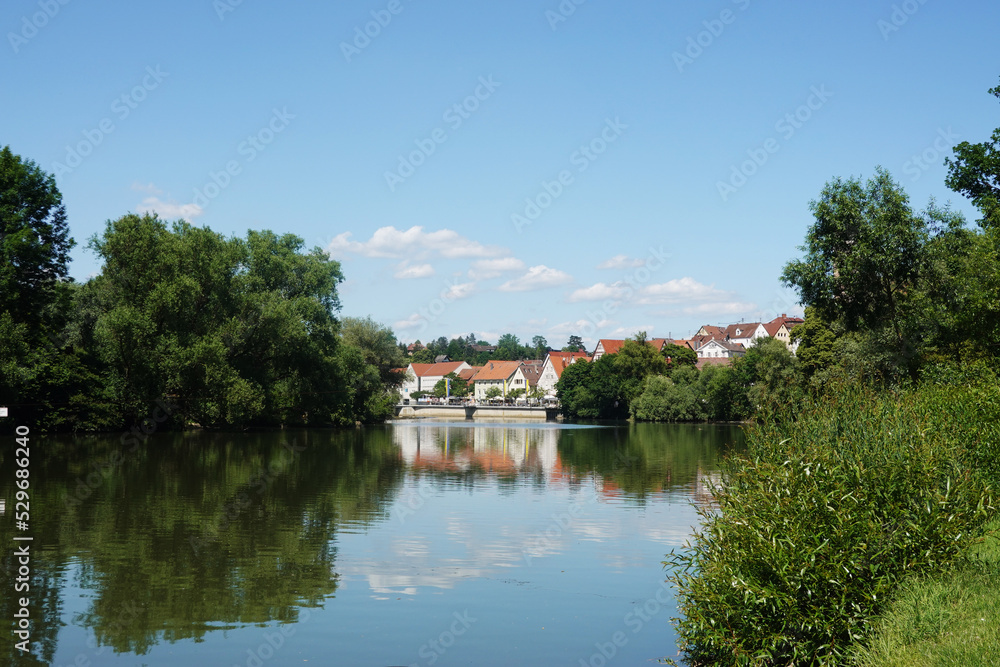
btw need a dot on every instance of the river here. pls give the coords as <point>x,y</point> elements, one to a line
<point>410,543</point>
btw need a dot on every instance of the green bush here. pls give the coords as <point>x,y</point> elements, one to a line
<point>822,517</point>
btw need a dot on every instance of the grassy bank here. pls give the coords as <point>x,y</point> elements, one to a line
<point>825,516</point>
<point>951,618</point>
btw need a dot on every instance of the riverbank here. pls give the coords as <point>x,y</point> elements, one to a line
<point>948,618</point>
<point>826,516</point>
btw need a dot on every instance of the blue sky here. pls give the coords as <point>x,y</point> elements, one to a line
<point>530,166</point>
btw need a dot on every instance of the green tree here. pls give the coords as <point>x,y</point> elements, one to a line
<point>975,172</point>
<point>236,331</point>
<point>864,254</point>
<point>459,387</point>
<point>816,342</point>
<point>678,355</point>
<point>378,346</point>
<point>34,240</point>
<point>575,344</point>
<point>540,345</point>
<point>493,392</point>
<point>508,348</point>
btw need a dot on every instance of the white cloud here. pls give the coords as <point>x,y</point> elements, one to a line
<point>169,210</point>
<point>484,269</point>
<point>681,290</point>
<point>727,308</point>
<point>574,328</point>
<point>628,332</point>
<point>598,292</point>
<point>458,291</point>
<point>621,262</point>
<point>537,277</point>
<point>413,243</point>
<point>404,271</point>
<point>148,188</point>
<point>412,322</point>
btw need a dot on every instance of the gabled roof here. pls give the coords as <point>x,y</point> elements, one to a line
<point>560,360</point>
<point>496,370</point>
<point>773,327</point>
<point>614,345</point>
<point>725,344</point>
<point>467,373</point>
<point>432,370</point>
<point>532,374</point>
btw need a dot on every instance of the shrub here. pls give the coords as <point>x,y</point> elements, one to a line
<point>822,517</point>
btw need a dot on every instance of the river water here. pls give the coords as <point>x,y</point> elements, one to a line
<point>411,543</point>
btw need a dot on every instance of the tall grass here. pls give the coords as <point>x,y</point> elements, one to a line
<point>823,516</point>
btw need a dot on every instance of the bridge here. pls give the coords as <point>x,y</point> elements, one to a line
<point>426,411</point>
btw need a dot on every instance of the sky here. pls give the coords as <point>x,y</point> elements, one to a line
<point>533,167</point>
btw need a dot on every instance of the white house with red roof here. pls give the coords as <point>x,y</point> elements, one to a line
<point>423,377</point>
<point>504,375</point>
<point>553,367</point>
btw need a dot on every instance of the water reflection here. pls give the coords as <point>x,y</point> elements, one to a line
<point>197,536</point>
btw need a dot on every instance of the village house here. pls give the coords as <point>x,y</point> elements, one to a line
<point>504,375</point>
<point>613,345</point>
<point>423,377</point>
<point>553,366</point>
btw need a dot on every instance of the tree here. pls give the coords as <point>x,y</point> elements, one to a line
<point>236,331</point>
<point>864,254</point>
<point>816,343</point>
<point>678,355</point>
<point>575,344</point>
<point>459,387</point>
<point>493,392</point>
<point>378,347</point>
<point>508,348</point>
<point>975,172</point>
<point>34,239</point>
<point>540,345</point>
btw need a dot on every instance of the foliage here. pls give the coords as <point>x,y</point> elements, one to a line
<point>677,355</point>
<point>824,516</point>
<point>864,254</point>
<point>34,240</point>
<point>459,386</point>
<point>493,392</point>
<point>975,172</point>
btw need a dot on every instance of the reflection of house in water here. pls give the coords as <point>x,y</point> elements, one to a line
<point>494,448</point>
<point>703,484</point>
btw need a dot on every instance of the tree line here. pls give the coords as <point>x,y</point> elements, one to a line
<point>227,332</point>
<point>892,295</point>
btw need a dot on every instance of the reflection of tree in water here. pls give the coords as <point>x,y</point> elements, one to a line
<point>642,458</point>
<point>202,532</point>
<point>45,608</point>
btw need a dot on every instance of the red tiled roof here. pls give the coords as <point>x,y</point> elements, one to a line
<point>613,345</point>
<point>496,370</point>
<point>467,373</point>
<point>431,370</point>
